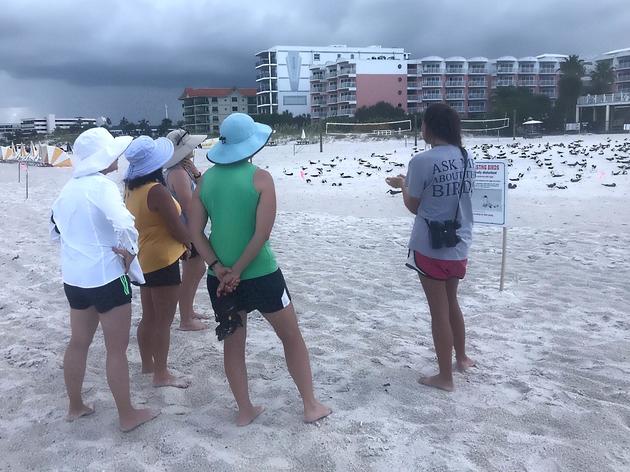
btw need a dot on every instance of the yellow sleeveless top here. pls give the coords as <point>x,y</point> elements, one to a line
<point>157,248</point>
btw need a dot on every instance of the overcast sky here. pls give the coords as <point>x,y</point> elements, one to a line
<point>130,57</point>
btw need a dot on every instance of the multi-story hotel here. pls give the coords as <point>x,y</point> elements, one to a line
<point>620,61</point>
<point>338,88</point>
<point>205,109</point>
<point>51,123</point>
<point>283,73</point>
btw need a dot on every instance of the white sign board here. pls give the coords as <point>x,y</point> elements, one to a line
<point>572,127</point>
<point>489,198</point>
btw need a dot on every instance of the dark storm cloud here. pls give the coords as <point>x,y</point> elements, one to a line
<point>116,46</point>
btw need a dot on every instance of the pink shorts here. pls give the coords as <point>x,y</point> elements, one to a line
<point>437,269</point>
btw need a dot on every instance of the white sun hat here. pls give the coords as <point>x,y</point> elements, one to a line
<point>95,150</point>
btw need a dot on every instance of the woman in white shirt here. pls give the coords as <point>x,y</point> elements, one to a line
<point>98,246</point>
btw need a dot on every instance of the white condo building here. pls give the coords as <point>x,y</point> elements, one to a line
<point>283,73</point>
<point>51,122</point>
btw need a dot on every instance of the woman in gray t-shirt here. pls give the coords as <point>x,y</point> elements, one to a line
<point>438,189</point>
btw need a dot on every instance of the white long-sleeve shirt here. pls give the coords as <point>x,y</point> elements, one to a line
<point>91,218</point>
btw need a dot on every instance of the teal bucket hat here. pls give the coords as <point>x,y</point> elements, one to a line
<point>241,138</point>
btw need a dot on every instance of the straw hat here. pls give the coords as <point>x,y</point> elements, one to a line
<point>184,143</point>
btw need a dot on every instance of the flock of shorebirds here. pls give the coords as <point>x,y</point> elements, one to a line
<point>566,162</point>
<point>576,158</point>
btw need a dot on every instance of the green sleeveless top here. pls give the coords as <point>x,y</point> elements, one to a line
<point>230,198</point>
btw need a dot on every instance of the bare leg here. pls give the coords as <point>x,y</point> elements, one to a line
<point>457,326</point>
<point>435,291</point>
<point>192,273</point>
<point>236,373</point>
<point>116,324</point>
<point>164,306</point>
<point>83,324</point>
<point>146,328</point>
<point>285,324</point>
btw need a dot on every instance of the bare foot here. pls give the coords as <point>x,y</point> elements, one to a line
<point>316,412</point>
<point>465,363</point>
<point>147,369</point>
<point>192,325</point>
<point>199,316</point>
<point>136,418</point>
<point>246,417</point>
<point>169,380</point>
<point>75,414</point>
<point>437,382</point>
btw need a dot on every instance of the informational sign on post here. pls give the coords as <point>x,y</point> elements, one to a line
<point>489,200</point>
<point>489,196</point>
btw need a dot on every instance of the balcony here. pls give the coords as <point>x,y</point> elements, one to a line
<point>432,69</point>
<point>477,83</point>
<point>414,85</point>
<point>547,70</point>
<point>349,85</point>
<point>413,71</point>
<point>202,110</point>
<point>619,98</point>
<point>350,98</point>
<point>506,69</point>
<point>549,92</point>
<point>458,107</point>
<point>625,77</point>
<point>332,87</point>
<point>623,64</point>
<point>432,83</point>
<point>477,70</point>
<point>455,95</point>
<point>414,98</point>
<point>454,83</point>
<point>505,83</point>
<point>331,99</point>
<point>264,63</point>
<point>547,83</point>
<point>477,96</point>
<point>347,71</point>
<point>346,111</point>
<point>331,74</point>
<point>432,96</point>
<point>477,108</point>
<point>454,70</point>
<point>526,70</point>
<point>527,83</point>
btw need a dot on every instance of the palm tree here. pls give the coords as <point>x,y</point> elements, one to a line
<point>570,85</point>
<point>602,77</point>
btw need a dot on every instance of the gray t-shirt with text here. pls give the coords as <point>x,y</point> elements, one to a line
<point>435,177</point>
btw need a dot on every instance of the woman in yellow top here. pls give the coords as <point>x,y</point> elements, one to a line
<point>163,240</point>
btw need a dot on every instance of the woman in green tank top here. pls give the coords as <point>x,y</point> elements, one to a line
<point>243,276</point>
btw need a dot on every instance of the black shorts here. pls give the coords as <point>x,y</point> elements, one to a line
<point>267,294</point>
<point>114,294</point>
<point>163,277</point>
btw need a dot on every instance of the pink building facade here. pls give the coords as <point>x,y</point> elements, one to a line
<point>338,89</point>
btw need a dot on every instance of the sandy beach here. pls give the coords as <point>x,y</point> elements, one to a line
<point>551,390</point>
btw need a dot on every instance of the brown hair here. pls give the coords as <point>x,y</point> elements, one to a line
<point>442,122</point>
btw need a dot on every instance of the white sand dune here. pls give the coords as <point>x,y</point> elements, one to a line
<point>550,393</point>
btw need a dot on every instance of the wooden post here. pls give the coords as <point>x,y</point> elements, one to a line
<point>415,127</point>
<point>503,256</point>
<point>514,126</point>
<point>321,141</point>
